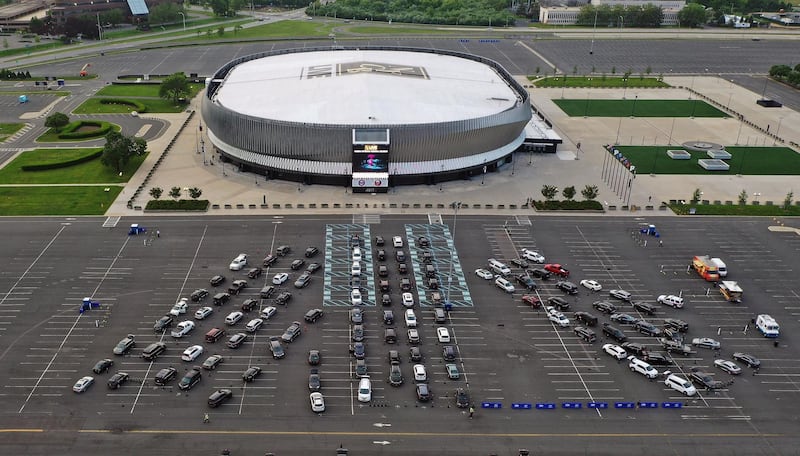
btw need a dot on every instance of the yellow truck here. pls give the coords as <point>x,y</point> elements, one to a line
<point>731,291</point>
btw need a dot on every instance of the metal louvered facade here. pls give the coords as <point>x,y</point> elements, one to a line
<point>320,153</point>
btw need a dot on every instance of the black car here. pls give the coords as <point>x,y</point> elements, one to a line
<point>614,333</point>
<point>102,366</point>
<point>218,397</point>
<point>623,318</point>
<point>276,348</point>
<point>381,255</point>
<point>519,262</point>
<point>356,241</point>
<point>221,298</point>
<point>539,273</point>
<point>165,375</point>
<point>433,284</point>
<point>647,328</point>
<point>415,354</point>
<point>605,307</point>
<point>400,256</point>
<point>427,257</point>
<point>394,357</point>
<point>462,398</point>
<point>303,280</point>
<point>117,380</point>
<point>656,359</point>
<point>405,284</point>
<point>255,273</point>
<point>383,271</point>
<point>267,291</point>
<point>645,308</point>
<point>748,359</point>
<point>559,303</point>
<point>677,325</point>
<point>313,267</point>
<point>237,340</point>
<point>448,353</point>
<point>379,241</point>
<point>269,260</point>
<point>402,268</point>
<point>386,300</point>
<point>567,287</point>
<point>283,250</point>
<point>198,295</point>
<point>525,281</point>
<point>358,350</point>
<point>297,264</point>
<point>163,323</point>
<point>395,376</point>
<point>586,318</point>
<point>356,284</point>
<point>249,304</point>
<point>422,241</point>
<point>311,251</point>
<point>585,333</point>
<point>190,379</point>
<point>384,286</point>
<point>358,333</point>
<point>237,286</point>
<point>313,380</point>
<point>292,332</point>
<point>705,380</point>
<point>251,373</point>
<point>217,280</point>
<point>388,317</point>
<point>423,393</point>
<point>635,348</point>
<point>313,315</point>
<point>314,358</point>
<point>283,298</point>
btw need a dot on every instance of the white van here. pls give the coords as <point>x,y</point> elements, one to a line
<point>721,268</point>
<point>411,319</point>
<point>364,390</point>
<point>680,385</point>
<point>355,271</point>
<point>637,365</point>
<point>768,326</point>
<point>504,285</point>
<point>499,267</point>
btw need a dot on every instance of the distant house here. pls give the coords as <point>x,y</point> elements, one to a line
<point>62,9</point>
<point>568,15</point>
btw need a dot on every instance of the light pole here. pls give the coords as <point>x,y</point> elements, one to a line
<point>99,29</point>
<point>777,131</point>
<point>621,22</point>
<point>483,176</point>
<point>456,205</point>
<point>669,140</point>
<point>619,127</point>
<point>740,131</point>
<point>633,109</point>
<point>594,31</point>
<point>184,20</point>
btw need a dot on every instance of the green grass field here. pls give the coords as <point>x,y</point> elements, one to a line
<point>154,105</point>
<point>8,129</point>
<point>637,108</point>
<point>92,172</point>
<point>598,81</point>
<point>51,136</point>
<point>139,90</point>
<point>54,200</point>
<point>735,209</point>
<point>280,29</point>
<point>744,160</point>
<point>396,30</point>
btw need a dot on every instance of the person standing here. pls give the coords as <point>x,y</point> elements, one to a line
<point>471,411</point>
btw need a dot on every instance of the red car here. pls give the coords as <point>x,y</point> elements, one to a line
<point>557,269</point>
<point>531,300</point>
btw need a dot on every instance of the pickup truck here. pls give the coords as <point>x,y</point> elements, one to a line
<point>675,347</point>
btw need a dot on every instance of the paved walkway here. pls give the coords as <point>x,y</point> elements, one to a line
<point>511,185</point>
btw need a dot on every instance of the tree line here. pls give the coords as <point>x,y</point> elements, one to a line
<point>787,74</point>
<point>449,12</point>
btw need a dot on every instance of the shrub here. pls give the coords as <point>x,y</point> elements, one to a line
<point>64,164</point>
<point>567,205</point>
<point>102,129</point>
<point>124,101</point>
<point>179,205</point>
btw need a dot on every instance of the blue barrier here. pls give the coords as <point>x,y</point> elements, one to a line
<point>597,405</point>
<point>571,405</point>
<point>492,405</point>
<point>464,41</point>
<point>545,405</point>
<point>624,405</point>
<point>648,404</point>
<point>520,406</point>
<point>671,404</point>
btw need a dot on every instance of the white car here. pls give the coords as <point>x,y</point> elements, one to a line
<point>411,319</point>
<point>673,301</point>
<point>356,254</point>
<point>728,366</point>
<point>192,353</point>
<point>680,385</point>
<point>504,285</point>
<point>317,402</point>
<point>364,390</point>
<point>83,384</point>
<point>591,285</point>
<point>239,262</point>
<point>355,297</point>
<point>408,300</point>
<point>615,351</point>
<point>233,318</point>
<point>397,242</point>
<point>180,307</point>
<point>557,317</point>
<point>706,342</point>
<point>203,312</point>
<point>268,312</point>
<point>443,335</point>
<point>183,329</point>
<point>484,274</point>
<point>254,324</point>
<point>534,256</point>
<point>280,278</point>
<point>419,373</point>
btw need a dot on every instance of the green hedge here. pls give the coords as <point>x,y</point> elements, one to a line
<point>180,205</point>
<point>103,128</point>
<point>140,107</point>
<point>63,164</point>
<point>568,205</point>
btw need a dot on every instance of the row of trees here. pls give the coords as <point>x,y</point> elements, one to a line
<point>786,74</point>
<point>175,192</point>
<point>621,16</point>
<point>8,74</point>
<point>589,192</point>
<point>451,12</point>
<point>86,25</point>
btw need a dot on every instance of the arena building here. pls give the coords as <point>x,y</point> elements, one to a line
<point>367,117</point>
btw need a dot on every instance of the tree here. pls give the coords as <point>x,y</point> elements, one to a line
<point>569,192</point>
<point>743,198</point>
<point>780,71</point>
<point>57,121</point>
<point>549,191</point>
<point>119,149</point>
<point>195,192</point>
<point>175,192</point>
<point>165,13</point>
<point>693,15</point>
<point>115,16</point>
<point>156,192</point>
<point>787,202</point>
<point>590,192</point>
<point>174,87</point>
<point>696,195</point>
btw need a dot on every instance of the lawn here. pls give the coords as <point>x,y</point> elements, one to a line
<point>139,90</point>
<point>54,200</point>
<point>274,30</point>
<point>598,81</point>
<point>638,108</point>
<point>8,129</point>
<point>154,105</point>
<point>735,209</point>
<point>92,172</point>
<point>744,160</point>
<point>176,28</point>
<point>51,136</point>
<point>397,30</point>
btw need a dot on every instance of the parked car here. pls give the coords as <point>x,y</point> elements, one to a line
<point>586,318</point>
<point>198,295</point>
<point>219,397</point>
<point>317,402</point>
<point>395,376</point>
<point>314,357</point>
<point>526,282</point>
<point>591,285</point>
<point>452,371</point>
<point>635,348</point>
<point>292,332</point>
<point>623,318</point>
<point>83,384</point>
<point>303,280</point>
<point>179,308</point>
<point>677,325</point>
<point>269,260</point>
<point>706,342</point>
<point>313,267</point>
<point>183,329</point>
<point>283,298</point>
<point>585,333</point>
<point>212,362</point>
<point>680,385</point>
<point>165,375</point>
<point>615,351</point>
<point>254,325</point>
<point>249,305</point>
<point>238,263</point>
<point>557,269</point>
<point>647,328</point>
<point>557,317</point>
<point>484,274</point>
<point>297,264</point>
<point>237,340</point>
<point>656,359</point>
<point>532,255</point>
<point>268,312</point>
<point>604,307</point>
<point>217,280</point>
<point>311,251</point>
<point>237,286</point>
<point>645,308</point>
<point>558,302</point>
<point>443,335</point>
<point>190,379</point>
<point>254,273</point>
<point>622,295</point>
<point>567,287</point>
<point>163,323</point>
<point>705,380</point>
<point>539,273</point>
<point>519,262</point>
<point>314,382</point>
<point>251,373</point>
<point>532,300</point>
<point>192,353</point>
<point>504,285</point>
<point>276,348</point>
<point>102,366</point>
<point>462,398</point>
<point>748,359</point>
<point>614,333</point>
<point>125,345</point>
<point>233,318</point>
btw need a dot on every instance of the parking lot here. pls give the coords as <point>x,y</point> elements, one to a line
<point>507,352</point>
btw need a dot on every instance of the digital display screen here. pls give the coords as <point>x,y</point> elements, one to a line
<point>370,158</point>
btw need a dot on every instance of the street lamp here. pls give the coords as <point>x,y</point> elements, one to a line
<point>777,131</point>
<point>756,195</point>
<point>184,20</point>
<point>633,109</point>
<point>621,22</point>
<point>99,29</point>
<point>594,31</point>
<point>456,205</point>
